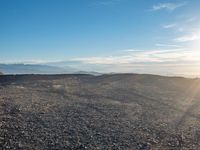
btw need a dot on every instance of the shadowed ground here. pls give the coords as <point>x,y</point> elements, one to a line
<point>122,111</point>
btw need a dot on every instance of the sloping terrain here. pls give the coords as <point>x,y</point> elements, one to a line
<point>121,111</point>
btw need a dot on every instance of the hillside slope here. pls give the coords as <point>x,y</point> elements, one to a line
<point>126,111</point>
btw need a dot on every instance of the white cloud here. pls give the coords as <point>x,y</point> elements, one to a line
<point>176,61</point>
<point>167,6</point>
<point>131,50</point>
<point>187,38</point>
<point>191,19</point>
<point>168,26</point>
<point>132,57</point>
<point>167,45</point>
<point>34,62</point>
<point>169,61</point>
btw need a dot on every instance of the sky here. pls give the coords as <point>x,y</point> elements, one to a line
<point>141,36</point>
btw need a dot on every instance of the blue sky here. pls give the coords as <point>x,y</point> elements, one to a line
<point>147,36</point>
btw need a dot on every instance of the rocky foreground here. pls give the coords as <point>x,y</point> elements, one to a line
<point>124,111</point>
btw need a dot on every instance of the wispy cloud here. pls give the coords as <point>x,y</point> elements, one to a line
<point>132,50</point>
<point>168,45</point>
<point>167,6</point>
<point>186,24</point>
<point>187,38</point>
<point>171,61</point>
<point>139,56</point>
<point>160,61</point>
<point>191,19</point>
<point>168,26</point>
<point>34,62</point>
<point>181,27</point>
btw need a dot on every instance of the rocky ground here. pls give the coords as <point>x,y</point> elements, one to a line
<point>122,111</point>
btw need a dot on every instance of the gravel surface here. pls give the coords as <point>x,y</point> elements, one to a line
<point>121,111</point>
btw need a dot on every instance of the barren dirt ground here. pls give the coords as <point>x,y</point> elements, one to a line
<point>122,111</point>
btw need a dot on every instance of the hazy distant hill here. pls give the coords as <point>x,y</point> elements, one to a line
<point>41,69</point>
<point>88,72</point>
<point>33,69</point>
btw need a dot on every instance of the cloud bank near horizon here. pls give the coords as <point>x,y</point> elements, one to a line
<point>157,61</point>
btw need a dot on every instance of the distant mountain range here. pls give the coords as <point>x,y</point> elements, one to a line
<point>40,69</point>
<point>32,69</point>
